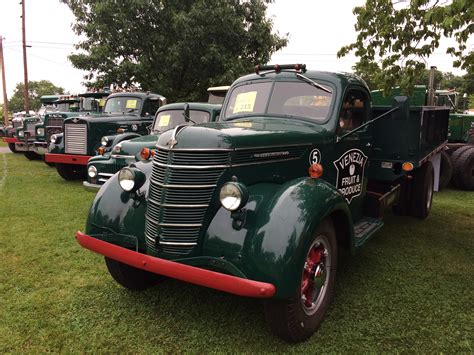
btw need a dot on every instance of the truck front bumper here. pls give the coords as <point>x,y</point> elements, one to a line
<point>24,146</point>
<point>91,187</point>
<point>67,159</point>
<point>10,139</point>
<point>195,275</point>
<point>41,148</point>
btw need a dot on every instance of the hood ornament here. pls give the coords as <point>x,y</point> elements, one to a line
<point>75,120</point>
<point>172,142</point>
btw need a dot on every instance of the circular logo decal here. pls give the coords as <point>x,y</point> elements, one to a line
<point>314,157</point>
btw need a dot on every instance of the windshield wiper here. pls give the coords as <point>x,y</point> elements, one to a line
<point>312,83</point>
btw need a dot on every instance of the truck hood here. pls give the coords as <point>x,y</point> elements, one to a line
<point>247,133</point>
<point>133,146</point>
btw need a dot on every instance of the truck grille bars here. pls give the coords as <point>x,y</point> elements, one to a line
<point>181,187</point>
<point>75,138</point>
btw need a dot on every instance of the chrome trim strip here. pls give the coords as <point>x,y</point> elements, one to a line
<point>103,180</point>
<point>175,243</point>
<point>150,238</point>
<point>118,156</point>
<point>190,225</point>
<point>171,205</point>
<point>105,174</point>
<point>182,186</point>
<point>266,161</point>
<point>231,149</point>
<point>192,167</point>
<point>91,187</point>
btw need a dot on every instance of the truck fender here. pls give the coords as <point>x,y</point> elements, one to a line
<point>279,225</point>
<point>119,216</point>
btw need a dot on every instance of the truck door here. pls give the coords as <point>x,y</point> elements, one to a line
<point>352,153</point>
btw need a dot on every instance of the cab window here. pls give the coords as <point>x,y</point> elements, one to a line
<point>150,107</point>
<point>353,111</point>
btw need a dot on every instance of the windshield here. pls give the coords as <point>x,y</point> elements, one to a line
<point>122,104</point>
<point>171,118</point>
<point>296,99</point>
<point>89,104</point>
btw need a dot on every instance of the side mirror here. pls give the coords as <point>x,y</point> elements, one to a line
<point>402,104</point>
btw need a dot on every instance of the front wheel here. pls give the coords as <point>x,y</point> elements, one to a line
<point>71,172</point>
<point>131,277</point>
<point>12,148</point>
<point>31,155</point>
<point>297,318</point>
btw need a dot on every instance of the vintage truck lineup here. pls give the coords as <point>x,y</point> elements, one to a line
<point>100,168</point>
<point>299,164</point>
<point>89,103</point>
<point>125,115</point>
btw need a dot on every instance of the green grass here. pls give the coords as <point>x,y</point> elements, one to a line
<point>3,144</point>
<point>409,290</point>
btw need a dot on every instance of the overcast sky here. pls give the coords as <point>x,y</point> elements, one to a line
<point>316,31</point>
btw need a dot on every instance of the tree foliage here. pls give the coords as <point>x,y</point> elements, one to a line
<point>36,90</point>
<point>177,48</point>
<point>396,38</point>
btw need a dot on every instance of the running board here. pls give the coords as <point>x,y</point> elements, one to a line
<point>365,228</point>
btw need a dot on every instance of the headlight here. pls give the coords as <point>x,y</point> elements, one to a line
<point>92,171</point>
<point>104,141</point>
<point>117,148</point>
<point>131,179</point>
<point>233,196</point>
<point>21,134</point>
<point>53,138</point>
<point>40,131</point>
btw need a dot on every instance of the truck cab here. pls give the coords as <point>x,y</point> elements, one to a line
<point>258,204</point>
<point>126,113</point>
<point>86,104</point>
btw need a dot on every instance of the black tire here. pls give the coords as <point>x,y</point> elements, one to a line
<point>464,170</point>
<point>457,153</point>
<point>422,196</point>
<point>296,318</point>
<point>130,277</point>
<point>31,155</point>
<point>71,172</point>
<point>446,171</point>
<point>403,205</point>
<point>47,163</point>
<point>12,148</point>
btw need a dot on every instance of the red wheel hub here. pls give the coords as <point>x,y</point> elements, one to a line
<point>313,268</point>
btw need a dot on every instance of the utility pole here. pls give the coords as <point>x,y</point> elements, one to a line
<point>4,84</point>
<point>25,66</point>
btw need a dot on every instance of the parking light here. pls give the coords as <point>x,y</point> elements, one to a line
<point>233,196</point>
<point>315,171</point>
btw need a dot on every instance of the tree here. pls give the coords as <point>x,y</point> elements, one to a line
<point>36,90</point>
<point>395,39</point>
<point>177,48</point>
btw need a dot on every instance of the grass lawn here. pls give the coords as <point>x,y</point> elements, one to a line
<point>409,290</point>
<point>3,144</point>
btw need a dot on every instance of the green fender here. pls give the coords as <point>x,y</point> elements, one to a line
<point>117,216</point>
<point>280,222</point>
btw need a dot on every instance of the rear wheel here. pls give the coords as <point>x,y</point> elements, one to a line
<point>11,146</point>
<point>71,172</point>
<point>464,170</point>
<point>446,171</point>
<point>131,277</point>
<point>295,319</point>
<point>31,155</point>
<point>422,197</point>
<point>457,153</point>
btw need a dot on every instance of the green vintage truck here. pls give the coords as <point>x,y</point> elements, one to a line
<point>100,168</point>
<point>258,204</point>
<point>89,103</point>
<point>126,115</point>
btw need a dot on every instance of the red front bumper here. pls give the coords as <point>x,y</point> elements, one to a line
<point>10,139</point>
<point>67,159</point>
<point>191,274</point>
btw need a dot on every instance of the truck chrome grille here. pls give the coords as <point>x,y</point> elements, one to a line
<point>182,185</point>
<point>55,122</point>
<point>75,138</point>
